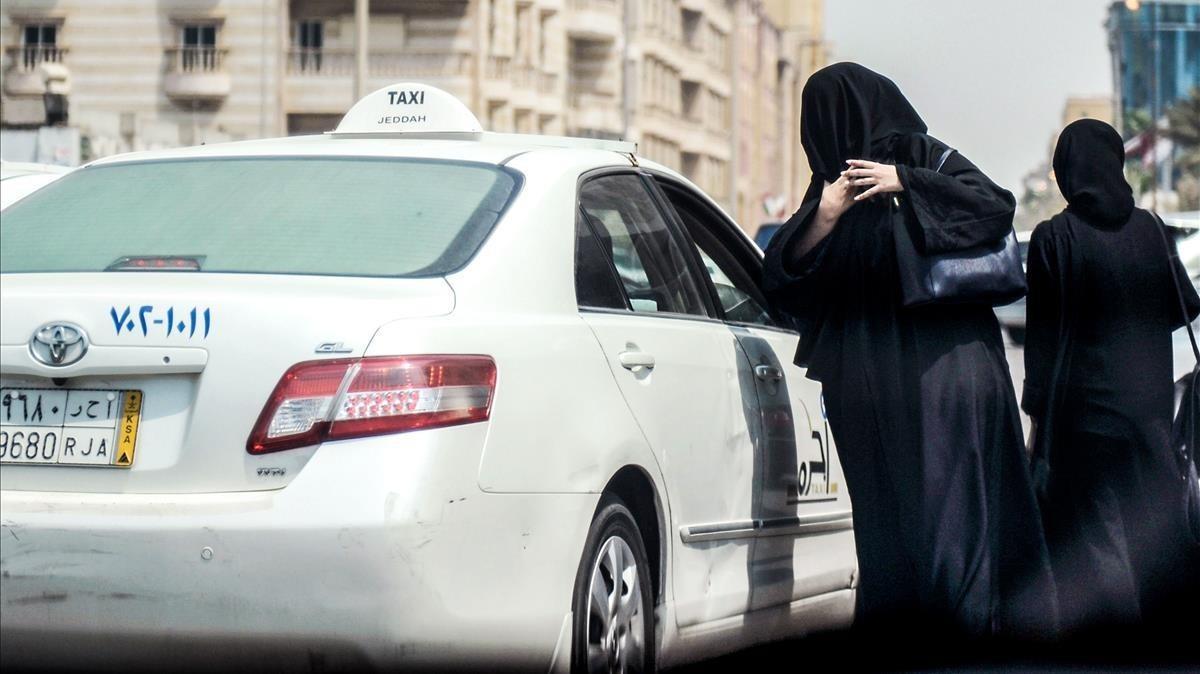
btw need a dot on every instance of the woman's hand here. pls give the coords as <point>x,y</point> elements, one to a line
<point>880,178</point>
<point>836,198</point>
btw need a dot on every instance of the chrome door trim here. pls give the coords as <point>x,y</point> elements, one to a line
<point>763,528</point>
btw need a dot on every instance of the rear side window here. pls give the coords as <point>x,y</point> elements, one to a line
<point>649,260</point>
<point>323,216</point>
<point>596,282</point>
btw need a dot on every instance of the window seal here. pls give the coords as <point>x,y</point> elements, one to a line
<point>668,315</point>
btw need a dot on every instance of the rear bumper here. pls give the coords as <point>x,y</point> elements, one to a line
<point>374,555</point>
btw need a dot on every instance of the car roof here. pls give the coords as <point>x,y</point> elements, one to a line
<point>12,169</point>
<point>487,148</point>
<point>330,146</point>
<point>19,186</point>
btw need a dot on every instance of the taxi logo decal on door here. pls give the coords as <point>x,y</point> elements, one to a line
<point>813,479</point>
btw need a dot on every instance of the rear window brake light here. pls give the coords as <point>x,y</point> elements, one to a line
<point>157,263</point>
<point>322,400</point>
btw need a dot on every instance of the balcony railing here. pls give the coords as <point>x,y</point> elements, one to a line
<point>601,5</point>
<point>28,57</point>
<point>420,64</point>
<point>197,73</point>
<point>526,77</point>
<point>592,100</point>
<point>595,20</point>
<point>196,59</point>
<point>498,68</point>
<point>548,83</point>
<point>341,62</point>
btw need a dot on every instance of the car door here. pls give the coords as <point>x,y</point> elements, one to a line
<point>684,377</point>
<point>804,546</point>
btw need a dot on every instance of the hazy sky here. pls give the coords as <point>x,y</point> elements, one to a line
<point>989,78</point>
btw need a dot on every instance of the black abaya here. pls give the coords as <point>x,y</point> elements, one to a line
<point>920,401</point>
<point>1102,307</point>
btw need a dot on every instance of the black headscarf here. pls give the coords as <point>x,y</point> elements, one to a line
<point>851,112</point>
<point>1088,165</point>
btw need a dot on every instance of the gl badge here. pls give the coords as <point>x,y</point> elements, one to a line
<point>58,344</point>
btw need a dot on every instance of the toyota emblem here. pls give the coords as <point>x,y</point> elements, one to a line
<point>58,344</point>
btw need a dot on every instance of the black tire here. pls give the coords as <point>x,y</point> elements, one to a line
<point>613,520</point>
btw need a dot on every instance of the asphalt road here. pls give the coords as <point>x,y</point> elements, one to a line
<point>846,652</point>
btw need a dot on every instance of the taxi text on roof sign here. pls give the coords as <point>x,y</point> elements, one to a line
<point>409,107</point>
<point>419,110</point>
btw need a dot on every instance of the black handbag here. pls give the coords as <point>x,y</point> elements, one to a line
<point>1186,426</point>
<point>990,274</point>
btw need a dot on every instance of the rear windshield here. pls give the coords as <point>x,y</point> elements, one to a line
<point>325,216</point>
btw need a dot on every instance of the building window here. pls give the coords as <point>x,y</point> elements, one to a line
<point>543,38</point>
<point>39,44</point>
<point>310,40</point>
<point>41,34</point>
<point>520,36</point>
<point>198,47</point>
<point>493,29</point>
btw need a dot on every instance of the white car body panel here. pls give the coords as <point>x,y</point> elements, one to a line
<point>450,545</point>
<point>801,478</point>
<point>409,572</point>
<point>19,180</point>
<point>692,409</point>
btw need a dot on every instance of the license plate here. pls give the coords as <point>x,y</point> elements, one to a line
<point>69,427</point>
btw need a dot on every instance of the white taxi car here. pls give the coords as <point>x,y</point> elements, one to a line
<point>405,394</point>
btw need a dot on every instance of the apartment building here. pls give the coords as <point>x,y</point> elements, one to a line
<point>136,74</point>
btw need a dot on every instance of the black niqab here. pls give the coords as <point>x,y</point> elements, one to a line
<point>851,112</point>
<point>1088,165</point>
<point>920,402</point>
<point>1099,378</point>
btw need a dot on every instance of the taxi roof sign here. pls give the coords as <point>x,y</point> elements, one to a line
<point>409,107</point>
<point>412,109</point>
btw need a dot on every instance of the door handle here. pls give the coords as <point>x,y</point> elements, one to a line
<point>768,373</point>
<point>635,359</point>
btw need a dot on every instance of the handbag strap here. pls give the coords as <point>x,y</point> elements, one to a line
<point>1172,258</point>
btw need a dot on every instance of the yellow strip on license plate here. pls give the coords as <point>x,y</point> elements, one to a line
<point>127,429</point>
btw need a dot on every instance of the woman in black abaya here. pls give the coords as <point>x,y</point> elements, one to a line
<point>920,400</point>
<point>1098,353</point>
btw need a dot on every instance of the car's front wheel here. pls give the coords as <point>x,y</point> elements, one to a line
<point>613,605</point>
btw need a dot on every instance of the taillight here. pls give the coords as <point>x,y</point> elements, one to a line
<point>324,400</point>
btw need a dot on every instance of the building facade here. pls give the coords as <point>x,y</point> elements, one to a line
<point>1155,49</point>
<point>133,74</point>
<point>1087,107</point>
